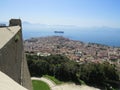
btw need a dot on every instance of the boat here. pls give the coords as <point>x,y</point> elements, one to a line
<point>58,31</point>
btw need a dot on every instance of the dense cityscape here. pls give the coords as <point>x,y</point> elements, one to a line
<point>74,50</point>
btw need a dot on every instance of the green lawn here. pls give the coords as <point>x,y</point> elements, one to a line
<point>56,81</point>
<point>40,85</point>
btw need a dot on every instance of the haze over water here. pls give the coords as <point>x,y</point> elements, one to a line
<point>83,13</point>
<point>106,36</point>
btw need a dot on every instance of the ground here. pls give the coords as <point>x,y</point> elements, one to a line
<point>64,86</point>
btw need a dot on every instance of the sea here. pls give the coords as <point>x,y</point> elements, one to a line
<point>105,36</point>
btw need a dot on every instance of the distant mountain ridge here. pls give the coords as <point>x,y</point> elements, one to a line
<point>39,26</point>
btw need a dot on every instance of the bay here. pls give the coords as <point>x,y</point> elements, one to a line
<point>106,36</point>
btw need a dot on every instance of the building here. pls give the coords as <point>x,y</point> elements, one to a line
<point>12,58</point>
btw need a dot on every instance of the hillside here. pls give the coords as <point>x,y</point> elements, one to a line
<point>74,50</point>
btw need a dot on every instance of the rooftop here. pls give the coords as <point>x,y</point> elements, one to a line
<point>6,33</point>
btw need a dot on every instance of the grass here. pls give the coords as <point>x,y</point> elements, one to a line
<point>40,85</point>
<point>56,81</point>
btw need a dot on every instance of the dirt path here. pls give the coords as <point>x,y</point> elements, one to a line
<point>66,86</point>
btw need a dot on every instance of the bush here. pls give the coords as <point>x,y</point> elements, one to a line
<point>66,70</point>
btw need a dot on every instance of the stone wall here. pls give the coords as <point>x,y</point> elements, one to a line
<point>11,57</point>
<point>13,61</point>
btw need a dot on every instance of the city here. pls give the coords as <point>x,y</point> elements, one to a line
<point>74,50</point>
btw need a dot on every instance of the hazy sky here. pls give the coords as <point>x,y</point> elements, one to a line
<point>84,13</point>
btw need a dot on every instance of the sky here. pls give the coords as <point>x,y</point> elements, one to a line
<point>83,13</point>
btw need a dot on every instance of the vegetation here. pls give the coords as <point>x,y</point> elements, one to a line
<point>56,81</point>
<point>102,75</point>
<point>40,85</point>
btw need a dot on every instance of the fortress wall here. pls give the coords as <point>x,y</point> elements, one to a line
<point>26,81</point>
<point>13,61</point>
<point>10,59</point>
